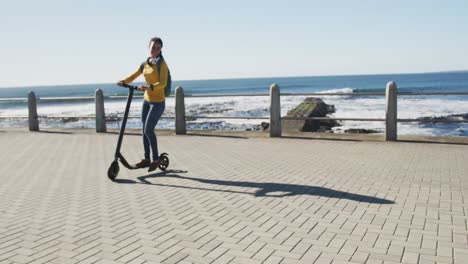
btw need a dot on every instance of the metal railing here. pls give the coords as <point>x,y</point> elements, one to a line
<point>275,118</point>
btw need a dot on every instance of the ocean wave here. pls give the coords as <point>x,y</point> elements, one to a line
<point>339,90</point>
<point>371,90</point>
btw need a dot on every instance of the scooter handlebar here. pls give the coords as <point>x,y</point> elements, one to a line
<point>129,86</point>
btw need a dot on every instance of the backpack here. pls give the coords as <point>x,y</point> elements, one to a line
<point>167,89</point>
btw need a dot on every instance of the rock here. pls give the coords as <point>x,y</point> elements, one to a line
<point>360,131</point>
<point>70,119</point>
<point>311,107</point>
<point>325,129</point>
<point>263,126</point>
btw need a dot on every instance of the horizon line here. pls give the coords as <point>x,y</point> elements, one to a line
<point>250,78</point>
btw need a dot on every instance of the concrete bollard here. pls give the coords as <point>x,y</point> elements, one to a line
<point>100,113</point>
<point>275,111</point>
<point>391,112</point>
<point>180,126</point>
<point>32,106</point>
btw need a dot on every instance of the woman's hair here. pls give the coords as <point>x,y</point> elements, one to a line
<point>157,40</point>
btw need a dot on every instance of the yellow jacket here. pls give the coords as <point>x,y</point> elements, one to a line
<point>153,79</point>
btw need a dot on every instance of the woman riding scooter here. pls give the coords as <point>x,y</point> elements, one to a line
<point>154,100</point>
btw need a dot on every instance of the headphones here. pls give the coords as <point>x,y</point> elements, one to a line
<point>153,61</point>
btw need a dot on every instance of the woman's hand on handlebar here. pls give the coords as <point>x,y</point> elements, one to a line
<point>142,88</point>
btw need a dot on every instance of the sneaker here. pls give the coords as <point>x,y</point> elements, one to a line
<point>154,165</point>
<point>144,163</point>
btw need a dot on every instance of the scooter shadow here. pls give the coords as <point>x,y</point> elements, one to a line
<point>264,189</point>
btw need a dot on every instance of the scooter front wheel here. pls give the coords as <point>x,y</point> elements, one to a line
<point>113,170</point>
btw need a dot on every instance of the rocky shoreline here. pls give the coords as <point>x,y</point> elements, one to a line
<point>316,107</point>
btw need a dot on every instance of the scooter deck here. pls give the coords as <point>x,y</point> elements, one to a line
<point>126,164</point>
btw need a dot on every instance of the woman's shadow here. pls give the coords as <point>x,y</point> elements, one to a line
<point>264,189</point>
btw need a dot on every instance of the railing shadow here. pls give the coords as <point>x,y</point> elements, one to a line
<point>126,133</point>
<point>323,138</point>
<point>54,132</point>
<point>432,142</point>
<point>213,135</point>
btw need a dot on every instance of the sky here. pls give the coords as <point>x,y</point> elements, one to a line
<point>53,42</point>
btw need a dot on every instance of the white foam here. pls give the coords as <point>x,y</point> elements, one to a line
<point>340,90</point>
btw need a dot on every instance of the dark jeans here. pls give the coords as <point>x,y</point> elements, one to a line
<point>150,114</point>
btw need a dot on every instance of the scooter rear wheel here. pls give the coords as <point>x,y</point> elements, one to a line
<point>163,162</point>
<point>113,170</point>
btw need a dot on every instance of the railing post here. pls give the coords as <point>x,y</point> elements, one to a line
<point>275,111</point>
<point>391,112</point>
<point>32,106</point>
<point>180,126</point>
<point>100,113</point>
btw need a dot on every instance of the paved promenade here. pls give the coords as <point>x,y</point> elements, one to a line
<point>232,199</point>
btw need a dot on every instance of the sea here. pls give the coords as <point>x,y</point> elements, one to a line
<point>59,113</point>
